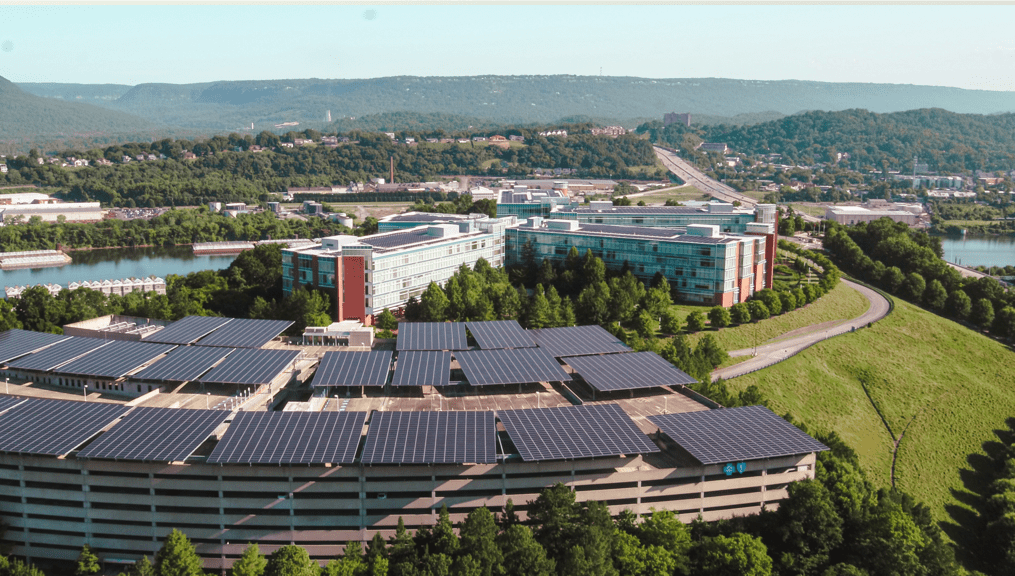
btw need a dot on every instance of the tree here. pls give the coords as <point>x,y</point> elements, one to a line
<point>625,294</point>
<point>88,563</point>
<point>770,299</point>
<point>290,560</point>
<point>807,529</point>
<point>177,557</point>
<point>719,317</point>
<point>538,313</point>
<point>8,318</point>
<point>695,321</point>
<point>644,324</point>
<point>658,299</point>
<point>403,559</point>
<point>386,320</point>
<point>958,304</point>
<point>892,279</point>
<point>554,513</point>
<point>142,567</point>
<point>1004,322</point>
<point>935,295</point>
<point>788,300</point>
<point>736,555</point>
<point>758,310</point>
<point>593,305</point>
<point>433,304</point>
<point>982,313</point>
<point>669,322</point>
<point>523,555</point>
<point>740,313</point>
<point>478,539</point>
<point>914,287</point>
<point>251,563</point>
<point>456,300</point>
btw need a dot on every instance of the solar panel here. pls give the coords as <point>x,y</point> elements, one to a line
<point>188,330</point>
<point>16,343</point>
<point>732,434</point>
<point>53,427</point>
<point>184,364</point>
<point>577,341</point>
<point>431,336</point>
<point>456,437</point>
<point>251,366</point>
<point>422,368</point>
<point>500,334</point>
<point>628,371</point>
<point>567,432</point>
<point>116,359</point>
<point>290,438</point>
<point>8,402</point>
<point>243,333</point>
<point>353,369</point>
<point>58,354</point>
<point>156,435</point>
<point>516,366</point>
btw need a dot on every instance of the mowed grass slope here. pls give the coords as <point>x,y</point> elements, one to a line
<point>951,386</point>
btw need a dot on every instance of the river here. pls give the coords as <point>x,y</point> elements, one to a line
<point>979,250</point>
<point>118,263</point>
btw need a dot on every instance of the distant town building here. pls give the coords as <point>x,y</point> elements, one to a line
<point>609,131</point>
<point>674,118</point>
<point>857,214</point>
<point>71,211</point>
<point>557,133</point>
<point>719,147</point>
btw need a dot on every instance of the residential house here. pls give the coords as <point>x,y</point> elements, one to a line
<point>3,168</point>
<point>516,138</point>
<point>188,155</point>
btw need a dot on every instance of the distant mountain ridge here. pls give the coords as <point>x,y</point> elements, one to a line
<point>231,105</point>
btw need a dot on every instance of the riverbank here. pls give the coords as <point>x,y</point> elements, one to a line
<point>974,250</point>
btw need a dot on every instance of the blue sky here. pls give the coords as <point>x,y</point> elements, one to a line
<point>959,46</point>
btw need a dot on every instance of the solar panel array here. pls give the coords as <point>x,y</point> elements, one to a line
<point>431,438</point>
<point>500,334</point>
<point>628,371</point>
<point>251,366</point>
<point>431,336</point>
<point>732,434</point>
<point>353,369</point>
<point>244,333</point>
<point>569,432</point>
<point>8,402</point>
<point>58,354</point>
<point>290,438</point>
<point>116,359</point>
<point>188,330</point>
<point>184,364</point>
<point>53,427</point>
<point>156,435</point>
<point>15,343</point>
<point>515,366</point>
<point>578,341</point>
<point>422,368</point>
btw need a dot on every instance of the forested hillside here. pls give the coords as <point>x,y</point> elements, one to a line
<point>223,106</point>
<point>945,141</point>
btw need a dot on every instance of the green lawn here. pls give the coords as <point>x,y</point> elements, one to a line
<point>680,194</point>
<point>842,303</point>
<point>951,386</point>
<point>810,209</point>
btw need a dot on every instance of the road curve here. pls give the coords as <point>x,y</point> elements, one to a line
<point>769,354</point>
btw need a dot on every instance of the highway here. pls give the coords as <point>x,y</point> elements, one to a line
<point>775,352</point>
<point>699,180</point>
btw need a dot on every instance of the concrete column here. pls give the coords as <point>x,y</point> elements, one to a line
<point>155,525</point>
<point>24,514</point>
<point>86,489</point>
<point>701,505</point>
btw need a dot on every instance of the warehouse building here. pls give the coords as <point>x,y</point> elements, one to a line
<point>71,211</point>
<point>857,214</point>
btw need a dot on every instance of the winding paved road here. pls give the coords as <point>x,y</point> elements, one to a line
<point>769,354</point>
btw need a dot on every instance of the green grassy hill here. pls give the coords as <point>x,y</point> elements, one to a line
<point>940,386</point>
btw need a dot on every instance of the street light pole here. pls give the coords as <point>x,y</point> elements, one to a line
<point>84,391</point>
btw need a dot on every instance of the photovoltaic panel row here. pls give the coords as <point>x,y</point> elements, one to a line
<point>15,343</point>
<point>156,435</point>
<point>628,371</point>
<point>422,368</point>
<point>456,437</point>
<point>57,354</point>
<point>188,330</point>
<point>515,366</point>
<point>116,359</point>
<point>290,438</point>
<point>500,334</point>
<point>251,366</point>
<point>244,333</point>
<point>732,434</point>
<point>569,432</point>
<point>353,369</point>
<point>8,402</point>
<point>53,427</point>
<point>184,364</point>
<point>431,336</point>
<point>578,341</point>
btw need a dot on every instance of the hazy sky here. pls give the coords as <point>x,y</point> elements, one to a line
<point>961,46</point>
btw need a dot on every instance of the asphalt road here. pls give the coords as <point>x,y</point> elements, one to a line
<point>699,180</point>
<point>769,354</point>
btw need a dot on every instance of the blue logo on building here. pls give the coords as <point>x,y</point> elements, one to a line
<point>728,469</point>
<point>741,467</point>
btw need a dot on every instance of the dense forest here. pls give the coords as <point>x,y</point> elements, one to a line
<point>225,171</point>
<point>945,141</point>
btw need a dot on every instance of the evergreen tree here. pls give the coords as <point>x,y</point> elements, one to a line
<point>644,324</point>
<point>456,300</point>
<point>719,317</point>
<point>177,557</point>
<point>433,304</point>
<point>740,554</point>
<point>695,322</point>
<point>290,560</point>
<point>539,314</point>
<point>142,567</point>
<point>251,563</point>
<point>741,312</point>
<point>523,554</point>
<point>669,322</point>
<point>478,539</point>
<point>402,557</point>
<point>567,315</point>
<point>935,296</point>
<point>982,313</point>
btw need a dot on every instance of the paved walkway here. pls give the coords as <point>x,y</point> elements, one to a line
<point>769,354</point>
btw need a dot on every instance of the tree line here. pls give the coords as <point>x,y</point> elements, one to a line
<point>919,274</point>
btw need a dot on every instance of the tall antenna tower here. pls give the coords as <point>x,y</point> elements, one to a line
<point>327,116</point>
<point>914,166</point>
